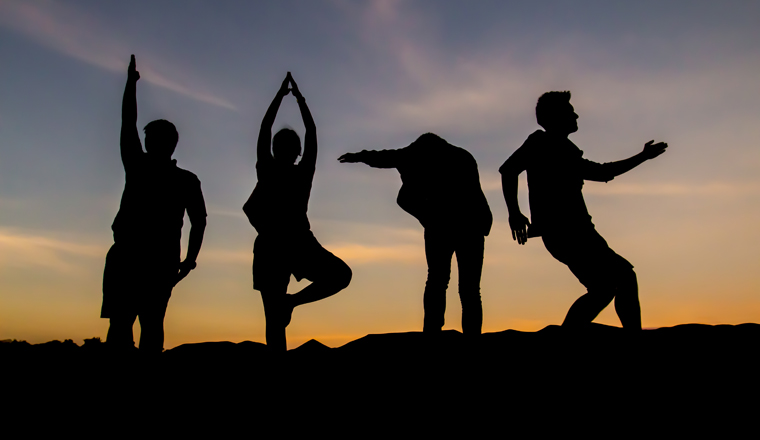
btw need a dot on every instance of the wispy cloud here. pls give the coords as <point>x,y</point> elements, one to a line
<point>492,182</point>
<point>78,35</point>
<point>482,90</point>
<point>363,254</point>
<point>225,256</point>
<point>673,189</point>
<point>21,249</point>
<point>352,253</point>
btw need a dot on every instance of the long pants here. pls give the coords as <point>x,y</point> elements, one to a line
<point>440,245</point>
<point>603,272</point>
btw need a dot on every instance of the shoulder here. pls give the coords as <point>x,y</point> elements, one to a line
<point>461,152</point>
<point>463,157</point>
<point>536,140</point>
<point>521,157</point>
<point>574,148</point>
<point>538,137</point>
<point>187,177</point>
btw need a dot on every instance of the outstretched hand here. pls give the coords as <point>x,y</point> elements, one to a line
<point>132,73</point>
<point>349,158</point>
<point>652,150</point>
<point>519,225</point>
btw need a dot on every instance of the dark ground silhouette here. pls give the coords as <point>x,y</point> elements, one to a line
<point>673,380</point>
<point>556,171</point>
<point>277,209</point>
<point>143,265</point>
<point>441,189</point>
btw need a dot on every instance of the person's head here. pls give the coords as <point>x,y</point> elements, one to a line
<point>286,146</point>
<point>555,113</point>
<point>161,138</point>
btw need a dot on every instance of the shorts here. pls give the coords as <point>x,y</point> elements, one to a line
<point>276,257</point>
<point>134,283</point>
<point>588,256</point>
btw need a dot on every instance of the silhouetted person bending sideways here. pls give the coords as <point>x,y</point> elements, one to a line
<point>277,209</point>
<point>143,265</point>
<point>441,189</point>
<point>556,171</point>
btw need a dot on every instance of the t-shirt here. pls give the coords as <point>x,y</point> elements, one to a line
<point>280,200</point>
<point>556,171</point>
<point>153,205</point>
<point>441,185</point>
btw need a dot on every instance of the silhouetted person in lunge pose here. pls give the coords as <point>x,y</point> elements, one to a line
<point>556,171</point>
<point>277,209</point>
<point>144,264</point>
<point>441,189</point>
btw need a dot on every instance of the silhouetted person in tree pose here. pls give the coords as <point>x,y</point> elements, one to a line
<point>441,189</point>
<point>144,264</point>
<point>556,171</point>
<point>277,209</point>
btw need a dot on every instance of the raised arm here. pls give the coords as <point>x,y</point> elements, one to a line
<point>131,148</point>
<point>263,146</point>
<point>310,141</point>
<point>612,169</point>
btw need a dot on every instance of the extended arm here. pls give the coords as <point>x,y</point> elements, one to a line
<point>374,158</point>
<point>131,148</point>
<point>263,145</point>
<point>310,142</point>
<point>651,150</point>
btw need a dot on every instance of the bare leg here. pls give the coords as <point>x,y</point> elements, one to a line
<point>627,302</point>
<point>275,325</point>
<point>120,334</point>
<point>152,329</point>
<point>334,277</point>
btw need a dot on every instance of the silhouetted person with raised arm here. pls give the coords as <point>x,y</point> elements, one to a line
<point>556,171</point>
<point>441,189</point>
<point>277,209</point>
<point>143,265</point>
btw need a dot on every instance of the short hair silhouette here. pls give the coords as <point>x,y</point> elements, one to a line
<point>286,145</point>
<point>547,106</point>
<point>161,137</point>
<point>144,263</point>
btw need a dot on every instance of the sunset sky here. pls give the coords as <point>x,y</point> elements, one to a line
<point>376,75</point>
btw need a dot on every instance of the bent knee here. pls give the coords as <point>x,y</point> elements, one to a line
<point>627,281</point>
<point>343,275</point>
